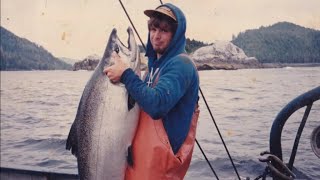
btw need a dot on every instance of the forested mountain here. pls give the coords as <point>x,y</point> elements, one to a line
<point>192,45</point>
<point>20,54</point>
<point>281,43</point>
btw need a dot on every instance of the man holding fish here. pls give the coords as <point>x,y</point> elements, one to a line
<point>167,96</point>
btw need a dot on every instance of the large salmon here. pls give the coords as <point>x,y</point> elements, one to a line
<point>106,118</point>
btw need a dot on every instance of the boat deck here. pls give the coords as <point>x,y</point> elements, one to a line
<point>22,174</point>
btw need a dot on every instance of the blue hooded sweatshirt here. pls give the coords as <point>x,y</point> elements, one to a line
<point>174,97</point>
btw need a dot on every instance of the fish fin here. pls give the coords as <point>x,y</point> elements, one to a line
<point>72,141</point>
<point>130,156</point>
<point>131,102</point>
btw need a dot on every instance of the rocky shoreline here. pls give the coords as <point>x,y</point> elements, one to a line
<point>262,66</point>
<point>220,55</point>
<point>282,65</point>
<point>91,64</point>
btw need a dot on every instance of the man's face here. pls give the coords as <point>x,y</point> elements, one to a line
<point>160,38</point>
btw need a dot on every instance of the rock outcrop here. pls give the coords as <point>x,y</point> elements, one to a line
<point>89,63</point>
<point>223,55</point>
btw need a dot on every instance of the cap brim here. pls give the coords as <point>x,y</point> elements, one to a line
<point>149,12</point>
<point>152,13</point>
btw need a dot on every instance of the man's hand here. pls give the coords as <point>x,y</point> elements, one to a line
<point>115,71</point>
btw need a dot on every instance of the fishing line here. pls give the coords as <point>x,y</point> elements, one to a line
<point>135,30</point>
<point>206,159</point>
<point>205,101</point>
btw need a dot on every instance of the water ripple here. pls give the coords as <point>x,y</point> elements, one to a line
<point>38,110</point>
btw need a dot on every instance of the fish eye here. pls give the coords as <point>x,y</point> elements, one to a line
<point>116,49</point>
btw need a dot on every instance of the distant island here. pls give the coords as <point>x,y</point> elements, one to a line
<point>278,45</point>
<point>21,54</point>
<point>282,42</point>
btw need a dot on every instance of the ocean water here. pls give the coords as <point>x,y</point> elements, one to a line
<point>38,108</point>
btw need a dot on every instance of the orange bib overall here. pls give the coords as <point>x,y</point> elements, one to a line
<point>152,153</point>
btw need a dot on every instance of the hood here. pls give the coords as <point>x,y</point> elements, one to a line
<point>177,44</point>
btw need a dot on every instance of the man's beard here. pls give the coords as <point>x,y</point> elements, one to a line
<point>159,51</point>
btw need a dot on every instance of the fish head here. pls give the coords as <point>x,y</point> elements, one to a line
<point>130,54</point>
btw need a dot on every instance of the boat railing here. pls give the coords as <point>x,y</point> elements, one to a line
<point>276,166</point>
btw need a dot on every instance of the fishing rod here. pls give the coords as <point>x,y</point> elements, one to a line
<point>224,144</point>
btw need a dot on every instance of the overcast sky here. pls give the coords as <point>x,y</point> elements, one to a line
<point>78,28</point>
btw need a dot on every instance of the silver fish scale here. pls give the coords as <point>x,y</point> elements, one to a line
<point>104,127</point>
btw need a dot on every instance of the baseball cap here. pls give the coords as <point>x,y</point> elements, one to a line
<point>162,10</point>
